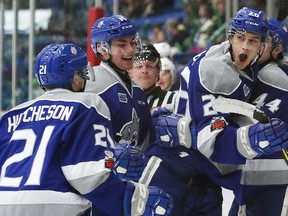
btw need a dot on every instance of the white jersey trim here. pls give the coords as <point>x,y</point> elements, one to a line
<point>84,169</point>
<point>41,197</point>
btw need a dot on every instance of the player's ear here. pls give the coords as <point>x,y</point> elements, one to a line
<point>78,83</point>
<point>76,78</point>
<point>278,49</point>
<point>102,51</point>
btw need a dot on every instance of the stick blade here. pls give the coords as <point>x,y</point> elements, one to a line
<point>228,105</point>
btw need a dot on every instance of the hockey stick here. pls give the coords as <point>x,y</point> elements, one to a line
<point>227,105</point>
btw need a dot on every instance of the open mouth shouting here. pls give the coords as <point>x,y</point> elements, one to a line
<point>243,57</point>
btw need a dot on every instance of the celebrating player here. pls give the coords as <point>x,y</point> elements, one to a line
<point>57,151</point>
<point>219,146</point>
<point>115,41</point>
<point>271,94</point>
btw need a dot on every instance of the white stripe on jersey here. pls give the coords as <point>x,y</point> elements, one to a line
<point>86,176</point>
<point>206,140</point>
<point>84,169</point>
<point>44,203</point>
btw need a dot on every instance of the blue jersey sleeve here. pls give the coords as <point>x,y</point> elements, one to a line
<point>87,159</point>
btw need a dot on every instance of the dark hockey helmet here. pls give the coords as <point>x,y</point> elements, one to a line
<point>56,64</point>
<point>249,20</point>
<point>107,28</point>
<point>148,52</point>
<point>279,33</point>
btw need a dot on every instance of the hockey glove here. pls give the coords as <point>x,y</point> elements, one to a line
<point>172,130</point>
<point>159,112</point>
<point>146,201</point>
<point>259,139</point>
<point>129,164</point>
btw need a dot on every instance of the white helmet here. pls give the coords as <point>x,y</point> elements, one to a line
<point>167,64</point>
<point>167,67</point>
<point>163,48</point>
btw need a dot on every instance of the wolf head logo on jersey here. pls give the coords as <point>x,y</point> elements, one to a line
<point>129,133</point>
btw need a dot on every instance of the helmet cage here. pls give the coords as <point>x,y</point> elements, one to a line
<point>106,46</point>
<point>148,52</point>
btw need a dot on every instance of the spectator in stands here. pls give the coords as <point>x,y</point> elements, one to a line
<point>167,74</point>
<point>149,7</point>
<point>220,26</point>
<point>164,49</point>
<point>204,26</point>
<point>157,34</point>
<point>154,7</point>
<point>132,8</point>
<point>218,10</point>
<point>177,33</point>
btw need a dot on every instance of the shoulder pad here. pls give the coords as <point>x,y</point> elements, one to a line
<point>274,76</point>
<point>217,72</point>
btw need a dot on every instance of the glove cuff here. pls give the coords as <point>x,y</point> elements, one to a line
<point>184,133</point>
<point>135,200</point>
<point>243,143</point>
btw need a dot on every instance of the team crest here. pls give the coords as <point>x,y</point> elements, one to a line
<point>246,90</point>
<point>122,98</point>
<point>73,50</point>
<point>141,102</point>
<point>218,123</point>
<point>109,160</point>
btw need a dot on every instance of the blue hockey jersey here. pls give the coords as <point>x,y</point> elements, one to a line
<point>270,96</point>
<point>130,114</point>
<point>266,178</point>
<point>56,155</point>
<point>209,75</point>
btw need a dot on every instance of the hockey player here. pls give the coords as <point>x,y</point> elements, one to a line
<point>269,196</point>
<point>170,168</point>
<point>56,151</point>
<point>114,40</point>
<point>145,72</point>
<point>219,146</point>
